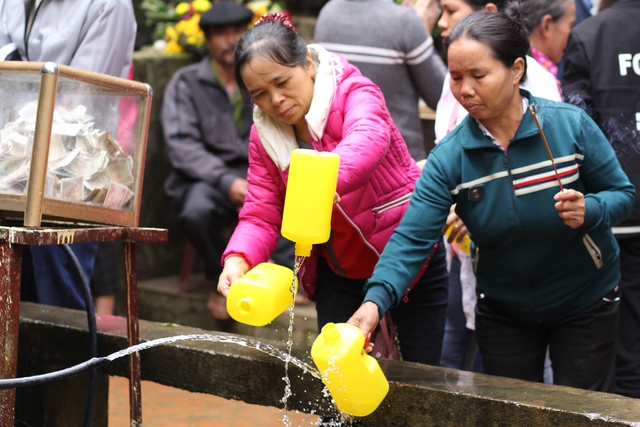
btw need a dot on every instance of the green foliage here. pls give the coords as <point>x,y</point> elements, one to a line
<point>159,12</point>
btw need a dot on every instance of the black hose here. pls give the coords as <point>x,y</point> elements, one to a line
<point>74,370</point>
<point>93,334</point>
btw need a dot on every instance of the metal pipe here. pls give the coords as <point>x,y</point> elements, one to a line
<point>41,139</point>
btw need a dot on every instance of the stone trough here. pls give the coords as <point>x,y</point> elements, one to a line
<point>53,338</point>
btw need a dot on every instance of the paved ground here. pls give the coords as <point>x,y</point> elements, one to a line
<point>170,407</point>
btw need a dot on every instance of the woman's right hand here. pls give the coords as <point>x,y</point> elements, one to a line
<point>428,10</point>
<point>234,268</point>
<point>366,318</point>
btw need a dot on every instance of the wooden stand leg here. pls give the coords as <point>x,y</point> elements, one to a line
<point>10,278</point>
<point>135,392</point>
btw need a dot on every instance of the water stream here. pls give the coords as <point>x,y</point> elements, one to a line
<point>289,344</point>
<point>270,350</point>
<point>244,342</point>
<point>285,356</point>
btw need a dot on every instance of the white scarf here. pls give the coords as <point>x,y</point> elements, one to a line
<point>278,138</point>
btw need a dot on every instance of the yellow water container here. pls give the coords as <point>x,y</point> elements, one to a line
<point>308,203</point>
<point>261,295</point>
<point>354,379</point>
<point>465,245</point>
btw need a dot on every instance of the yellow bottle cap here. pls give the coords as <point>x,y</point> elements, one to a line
<point>303,249</point>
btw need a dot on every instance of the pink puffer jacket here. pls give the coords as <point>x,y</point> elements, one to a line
<point>376,177</point>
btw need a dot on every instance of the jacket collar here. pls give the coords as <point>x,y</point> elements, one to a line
<point>477,139</point>
<point>278,138</point>
<point>204,72</point>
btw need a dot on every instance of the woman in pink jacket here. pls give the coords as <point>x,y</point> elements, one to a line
<point>306,97</point>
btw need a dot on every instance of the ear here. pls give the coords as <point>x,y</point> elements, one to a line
<point>490,7</point>
<point>545,25</point>
<point>518,70</point>
<point>310,67</point>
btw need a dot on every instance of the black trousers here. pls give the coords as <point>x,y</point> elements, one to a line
<point>582,347</point>
<point>628,359</point>
<point>420,320</point>
<point>205,215</point>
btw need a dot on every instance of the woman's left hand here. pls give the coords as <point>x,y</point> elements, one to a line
<point>570,207</point>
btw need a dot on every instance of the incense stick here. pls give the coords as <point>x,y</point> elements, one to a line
<point>532,110</point>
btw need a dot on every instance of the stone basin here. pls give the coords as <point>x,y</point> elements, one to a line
<point>419,395</point>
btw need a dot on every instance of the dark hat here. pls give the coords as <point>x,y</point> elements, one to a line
<point>225,12</point>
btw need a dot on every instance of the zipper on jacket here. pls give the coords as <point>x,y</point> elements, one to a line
<point>392,204</point>
<point>522,235</point>
<point>359,232</point>
<point>593,249</point>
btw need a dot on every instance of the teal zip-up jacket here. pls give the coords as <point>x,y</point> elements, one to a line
<point>526,260</point>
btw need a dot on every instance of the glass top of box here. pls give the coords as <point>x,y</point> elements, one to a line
<point>98,127</point>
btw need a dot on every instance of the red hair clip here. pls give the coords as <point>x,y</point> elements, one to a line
<point>284,17</point>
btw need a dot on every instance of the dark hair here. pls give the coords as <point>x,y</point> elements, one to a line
<point>478,5</point>
<point>272,40</point>
<point>532,11</point>
<point>504,34</point>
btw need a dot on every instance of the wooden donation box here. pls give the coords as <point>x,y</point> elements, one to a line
<point>72,144</point>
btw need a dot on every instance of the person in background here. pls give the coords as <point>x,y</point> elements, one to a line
<point>546,263</point>
<point>610,93</point>
<point>307,97</point>
<point>549,23</point>
<point>391,45</point>
<point>448,113</point>
<point>94,35</point>
<point>206,125</point>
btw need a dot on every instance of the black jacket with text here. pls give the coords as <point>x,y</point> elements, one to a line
<point>602,75</point>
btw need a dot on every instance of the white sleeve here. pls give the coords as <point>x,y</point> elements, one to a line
<point>108,38</point>
<point>540,82</point>
<point>6,50</point>
<point>6,47</point>
<point>468,282</point>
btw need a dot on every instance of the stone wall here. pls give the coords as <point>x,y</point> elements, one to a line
<point>158,260</point>
<point>52,338</point>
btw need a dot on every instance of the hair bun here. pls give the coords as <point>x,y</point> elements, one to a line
<point>284,17</point>
<point>520,12</point>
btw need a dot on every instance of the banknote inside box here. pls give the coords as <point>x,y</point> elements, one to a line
<point>96,143</point>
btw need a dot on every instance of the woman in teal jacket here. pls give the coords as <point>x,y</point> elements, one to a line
<point>545,259</point>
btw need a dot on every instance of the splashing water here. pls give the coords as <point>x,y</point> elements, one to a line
<point>285,356</point>
<point>289,344</point>
<point>244,342</point>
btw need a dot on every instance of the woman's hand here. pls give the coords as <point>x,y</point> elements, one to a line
<point>234,268</point>
<point>459,229</point>
<point>366,318</point>
<point>570,207</point>
<point>428,10</point>
<point>336,199</point>
<point>238,192</point>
